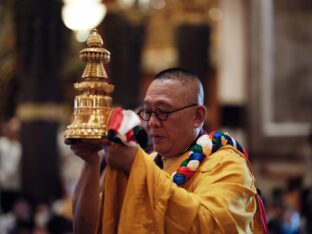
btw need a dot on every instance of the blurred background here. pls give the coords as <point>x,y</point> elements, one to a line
<point>253,57</point>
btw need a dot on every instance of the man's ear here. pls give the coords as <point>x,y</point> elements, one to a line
<point>200,116</point>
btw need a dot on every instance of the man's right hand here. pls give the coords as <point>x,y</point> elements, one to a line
<point>87,149</point>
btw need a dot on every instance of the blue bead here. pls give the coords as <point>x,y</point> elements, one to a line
<point>215,148</point>
<point>239,146</point>
<point>229,139</point>
<point>217,138</point>
<point>218,134</point>
<point>197,156</point>
<point>179,179</point>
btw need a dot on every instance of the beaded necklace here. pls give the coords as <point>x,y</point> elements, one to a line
<point>214,141</point>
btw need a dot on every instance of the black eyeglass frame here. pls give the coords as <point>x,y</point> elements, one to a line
<point>158,112</point>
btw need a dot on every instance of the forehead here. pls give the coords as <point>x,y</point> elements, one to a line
<point>167,92</point>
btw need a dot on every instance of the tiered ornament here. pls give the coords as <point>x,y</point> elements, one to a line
<point>92,108</point>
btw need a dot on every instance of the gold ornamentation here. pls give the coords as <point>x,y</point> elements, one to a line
<point>94,85</point>
<point>92,108</point>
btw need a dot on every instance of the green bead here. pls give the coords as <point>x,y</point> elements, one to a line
<point>185,162</point>
<point>197,149</point>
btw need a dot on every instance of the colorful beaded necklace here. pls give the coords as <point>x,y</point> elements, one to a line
<point>214,141</point>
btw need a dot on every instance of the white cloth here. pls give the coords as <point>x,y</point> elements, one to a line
<point>129,120</point>
<point>10,158</point>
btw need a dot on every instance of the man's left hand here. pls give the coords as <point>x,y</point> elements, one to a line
<point>120,156</point>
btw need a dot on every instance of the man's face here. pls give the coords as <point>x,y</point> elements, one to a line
<point>173,135</point>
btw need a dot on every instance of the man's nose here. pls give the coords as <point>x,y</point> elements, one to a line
<point>153,121</point>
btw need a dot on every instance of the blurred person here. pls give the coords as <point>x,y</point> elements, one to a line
<point>10,159</point>
<point>274,210</point>
<point>19,219</point>
<point>306,195</point>
<point>290,221</point>
<point>70,166</point>
<point>283,213</point>
<point>306,151</point>
<point>202,184</point>
<point>292,196</point>
<point>308,212</point>
<point>42,216</point>
<point>297,205</point>
<point>286,220</point>
<point>40,230</point>
<point>59,224</point>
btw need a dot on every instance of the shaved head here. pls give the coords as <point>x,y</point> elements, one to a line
<point>192,87</point>
<point>179,93</point>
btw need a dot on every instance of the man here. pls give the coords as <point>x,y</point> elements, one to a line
<point>10,160</point>
<point>205,186</point>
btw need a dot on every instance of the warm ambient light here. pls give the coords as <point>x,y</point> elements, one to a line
<point>130,3</point>
<point>83,15</point>
<point>215,14</point>
<point>158,4</point>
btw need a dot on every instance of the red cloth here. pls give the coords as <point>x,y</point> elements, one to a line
<point>115,119</point>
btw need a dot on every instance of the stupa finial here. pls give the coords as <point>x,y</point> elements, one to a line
<point>92,108</point>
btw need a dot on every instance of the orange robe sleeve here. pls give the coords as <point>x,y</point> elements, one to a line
<point>220,198</point>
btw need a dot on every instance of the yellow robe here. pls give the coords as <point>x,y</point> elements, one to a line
<point>219,198</point>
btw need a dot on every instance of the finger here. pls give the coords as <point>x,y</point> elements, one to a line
<point>85,148</point>
<point>91,141</point>
<point>71,141</point>
<point>104,142</point>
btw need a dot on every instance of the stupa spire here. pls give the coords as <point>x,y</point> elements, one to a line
<point>92,108</point>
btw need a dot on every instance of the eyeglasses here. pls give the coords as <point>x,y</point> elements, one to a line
<point>160,114</point>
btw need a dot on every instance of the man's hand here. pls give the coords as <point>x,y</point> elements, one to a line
<point>87,149</point>
<point>120,156</point>
<point>117,155</point>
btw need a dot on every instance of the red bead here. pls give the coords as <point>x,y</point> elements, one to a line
<point>185,171</point>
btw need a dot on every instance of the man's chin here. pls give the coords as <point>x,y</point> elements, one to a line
<point>159,149</point>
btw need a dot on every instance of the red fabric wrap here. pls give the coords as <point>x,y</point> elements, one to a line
<point>130,135</point>
<point>115,119</point>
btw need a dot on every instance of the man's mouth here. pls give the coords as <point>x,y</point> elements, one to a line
<point>156,137</point>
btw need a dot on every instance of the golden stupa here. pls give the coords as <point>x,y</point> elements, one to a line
<point>92,108</point>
